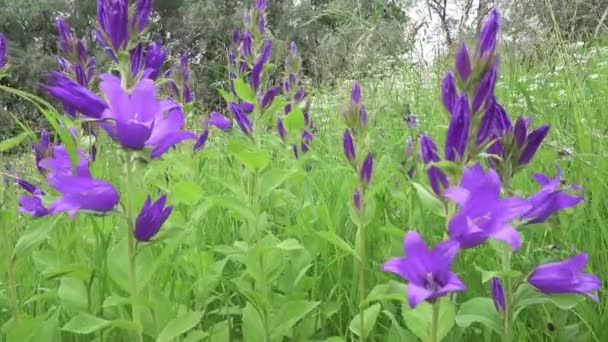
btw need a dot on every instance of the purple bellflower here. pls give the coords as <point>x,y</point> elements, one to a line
<point>463,63</point>
<point>42,149</point>
<point>485,89</point>
<point>487,37</point>
<point>113,19</point>
<point>533,141</point>
<point>550,198</point>
<point>143,9</point>
<point>427,271</point>
<point>357,199</point>
<point>241,118</point>
<point>437,178</point>
<point>448,92</point>
<point>483,214</point>
<point>458,130</point>
<point>154,60</point>
<point>200,143</point>
<point>498,295</point>
<point>365,174</point>
<point>151,218</point>
<point>139,118</point>
<point>349,146</point>
<point>281,129</point>
<point>566,277</point>
<point>75,95</point>
<point>3,50</point>
<point>219,121</point>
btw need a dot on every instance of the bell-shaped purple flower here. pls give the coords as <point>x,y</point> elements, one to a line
<point>151,218</point>
<point>487,37</point>
<point>143,8</point>
<point>247,107</point>
<point>155,58</point>
<point>241,118</point>
<point>365,174</point>
<point>235,38</point>
<point>566,276</point>
<point>448,92</point>
<point>300,95</point>
<point>258,67</point>
<point>482,213</point>
<point>551,198</point>
<point>33,205</point>
<point>75,95</point>
<point>427,271</point>
<point>520,131</point>
<point>269,96</point>
<point>533,142</point>
<point>293,48</point>
<point>82,193</point>
<point>437,178</point>
<point>202,139</point>
<point>463,62</point>
<point>498,295</point>
<point>485,89</point>
<point>349,146</point>
<point>281,129</point>
<point>219,121</point>
<point>247,43</point>
<point>139,118</point>
<point>458,130</point>
<point>355,94</point>
<point>3,50</point>
<point>113,18</point>
<point>66,36</point>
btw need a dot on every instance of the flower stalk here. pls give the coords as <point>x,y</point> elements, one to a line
<point>435,321</point>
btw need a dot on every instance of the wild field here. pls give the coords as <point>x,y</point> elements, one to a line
<point>284,215</point>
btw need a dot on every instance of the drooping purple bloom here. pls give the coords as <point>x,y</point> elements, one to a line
<point>200,143</point>
<point>139,118</point>
<point>533,142</point>
<point>75,95</point>
<point>488,34</point>
<point>261,24</point>
<point>498,295</point>
<point>349,146</point>
<point>113,18</point>
<point>82,193</point>
<point>270,95</point>
<point>3,50</point>
<point>551,198</point>
<point>427,271</point>
<point>494,122</point>
<point>458,130</point>
<point>155,58</point>
<point>143,8</point>
<point>355,94</point>
<point>58,163</point>
<point>365,174</point>
<point>448,92</point>
<point>566,277</point>
<point>219,121</point>
<point>357,199</point>
<point>151,218</point>
<point>485,89</point>
<point>241,118</point>
<point>437,178</point>
<point>463,63</point>
<point>482,213</point>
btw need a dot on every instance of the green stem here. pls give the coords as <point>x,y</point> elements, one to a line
<point>132,247</point>
<point>507,317</point>
<point>360,247</point>
<point>435,322</point>
<point>12,287</point>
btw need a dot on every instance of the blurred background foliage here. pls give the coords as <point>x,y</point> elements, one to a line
<point>339,39</point>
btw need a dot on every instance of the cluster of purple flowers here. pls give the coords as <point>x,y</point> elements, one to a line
<point>478,123</point>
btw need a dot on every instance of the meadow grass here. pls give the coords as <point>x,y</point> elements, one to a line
<point>275,249</point>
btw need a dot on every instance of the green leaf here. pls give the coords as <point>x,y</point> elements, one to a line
<point>429,200</point>
<point>289,245</point>
<point>253,160</point>
<point>370,315</point>
<point>118,266</point>
<point>115,301</point>
<point>8,144</point>
<point>253,326</point>
<point>271,179</point>
<point>179,325</point>
<point>527,295</point>
<point>419,320</point>
<point>453,170</point>
<point>73,294</point>
<point>85,324</point>
<point>243,90</point>
<point>187,192</point>
<point>289,315</point>
<point>294,122</point>
<point>337,241</point>
<point>391,291</point>
<point>30,240</point>
<point>225,95</point>
<point>479,310</point>
<point>220,332</point>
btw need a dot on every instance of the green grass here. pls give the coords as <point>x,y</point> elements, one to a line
<point>242,253</point>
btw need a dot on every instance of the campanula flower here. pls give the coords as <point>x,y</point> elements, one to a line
<point>137,58</point>
<point>448,92</point>
<point>143,8</point>
<point>200,143</point>
<point>33,205</point>
<point>3,49</point>
<point>427,271</point>
<point>29,187</point>
<point>155,58</point>
<point>463,63</point>
<point>42,149</point>
<point>533,141</point>
<point>151,218</point>
<point>66,36</point>
<point>269,96</point>
<point>437,178</point>
<point>458,130</point>
<point>498,295</point>
<point>113,18</point>
<point>219,121</point>
<point>349,146</point>
<point>488,34</point>
<point>306,139</point>
<point>365,174</point>
<point>485,89</point>
<point>355,94</point>
<point>566,277</point>
<point>550,198</point>
<point>357,199</point>
<point>482,213</point>
<point>75,95</point>
<point>241,118</point>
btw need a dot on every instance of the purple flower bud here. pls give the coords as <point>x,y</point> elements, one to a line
<point>241,118</point>
<point>355,95</point>
<point>437,178</point>
<point>306,139</point>
<point>484,132</point>
<point>498,295</point>
<point>281,129</point>
<point>357,199</point>
<point>29,187</point>
<point>151,218</point>
<point>235,38</point>
<point>219,121</point>
<point>265,52</point>
<point>300,95</point>
<point>42,149</point>
<point>295,151</point>
<point>349,146</point>
<point>81,51</point>
<point>231,58</point>
<point>247,106</point>
<point>520,132</point>
<point>3,49</point>
<point>463,63</point>
<point>411,120</point>
<point>66,36</point>
<point>487,36</point>
<point>286,85</point>
<point>246,47</point>
<point>448,92</point>
<point>261,24</point>
<point>32,205</point>
<point>260,5</point>
<point>74,95</point>
<point>287,109</point>
<point>200,143</point>
<point>113,18</point>
<point>363,116</point>
<point>269,96</point>
<point>98,37</point>
<point>81,76</point>
<point>365,175</point>
<point>143,8</point>
<point>293,49</point>
<point>137,56</point>
<point>155,58</point>
<point>247,17</point>
<point>458,130</point>
<point>485,88</point>
<point>534,140</point>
